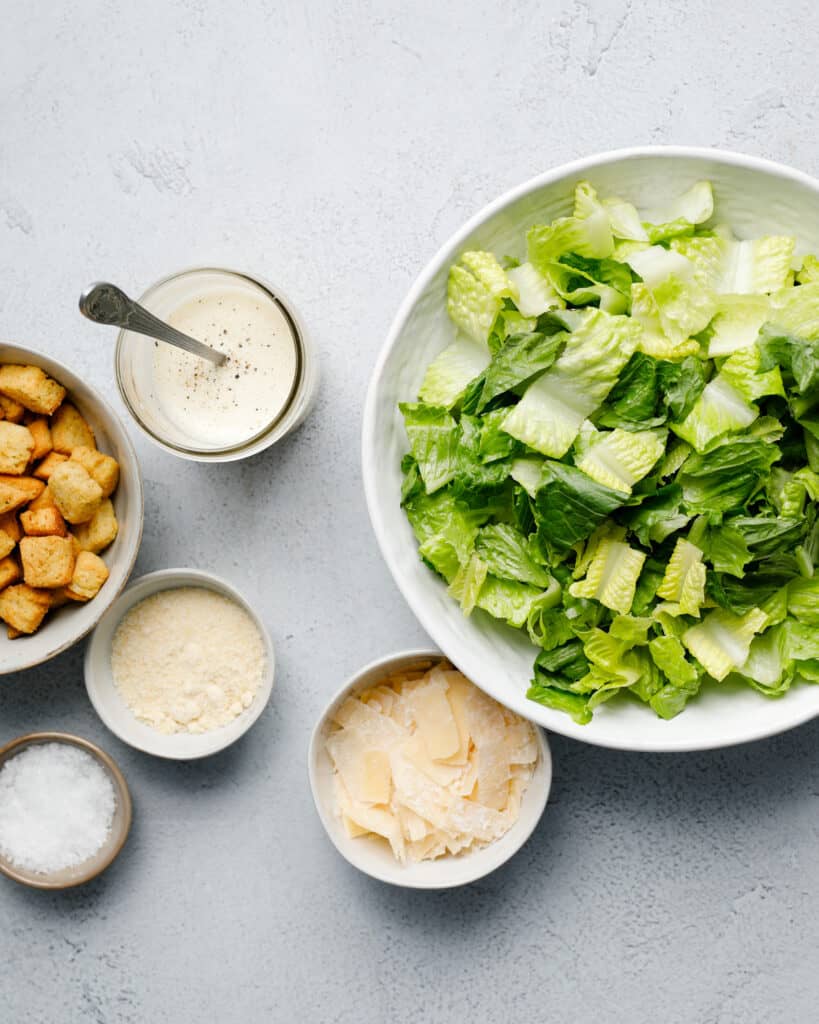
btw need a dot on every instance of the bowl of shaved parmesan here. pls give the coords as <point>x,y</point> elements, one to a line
<point>422,780</point>
<point>591,449</point>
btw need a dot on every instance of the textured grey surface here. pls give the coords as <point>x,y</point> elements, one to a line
<point>331,148</point>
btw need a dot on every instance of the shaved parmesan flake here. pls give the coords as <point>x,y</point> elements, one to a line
<point>430,764</point>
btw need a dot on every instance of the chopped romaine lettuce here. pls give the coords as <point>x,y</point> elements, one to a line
<point>619,453</point>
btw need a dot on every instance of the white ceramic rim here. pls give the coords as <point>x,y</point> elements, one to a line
<point>386,664</point>
<point>301,400</point>
<point>575,168</point>
<point>141,588</point>
<point>65,375</point>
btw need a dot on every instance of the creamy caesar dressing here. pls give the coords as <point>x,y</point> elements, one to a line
<point>223,406</point>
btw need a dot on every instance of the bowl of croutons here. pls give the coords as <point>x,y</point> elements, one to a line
<point>70,507</point>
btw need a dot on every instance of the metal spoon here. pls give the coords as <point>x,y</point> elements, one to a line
<point>106,304</point>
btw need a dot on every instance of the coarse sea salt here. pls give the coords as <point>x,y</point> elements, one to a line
<point>57,804</point>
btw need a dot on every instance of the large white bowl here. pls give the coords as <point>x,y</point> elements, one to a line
<point>372,855</point>
<point>755,197</point>
<point>67,625</point>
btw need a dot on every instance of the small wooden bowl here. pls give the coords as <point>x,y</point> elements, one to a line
<point>120,826</point>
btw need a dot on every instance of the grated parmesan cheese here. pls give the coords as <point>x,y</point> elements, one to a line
<point>429,763</point>
<point>187,660</point>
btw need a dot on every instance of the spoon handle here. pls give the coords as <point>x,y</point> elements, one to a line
<point>105,303</point>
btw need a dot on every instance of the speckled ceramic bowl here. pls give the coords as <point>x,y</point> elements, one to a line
<point>756,197</point>
<point>120,826</point>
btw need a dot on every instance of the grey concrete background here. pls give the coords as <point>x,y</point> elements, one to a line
<point>332,148</point>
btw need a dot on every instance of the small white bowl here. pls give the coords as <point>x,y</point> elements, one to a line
<point>112,708</point>
<point>373,856</point>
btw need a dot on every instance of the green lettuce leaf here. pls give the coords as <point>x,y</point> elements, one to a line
<point>725,477</point>
<point>722,640</point>
<point>476,289</point>
<point>508,554</point>
<point>681,215</point>
<point>536,293</point>
<point>737,323</point>
<point>720,409</point>
<point>433,439</point>
<point>611,577</point>
<point>518,362</point>
<point>550,414</point>
<point>587,233</point>
<point>803,600</point>
<point>468,581</point>
<point>507,600</point>
<point>684,581</point>
<point>451,371</point>
<point>569,505</point>
<point>619,458</point>
<point>572,704</point>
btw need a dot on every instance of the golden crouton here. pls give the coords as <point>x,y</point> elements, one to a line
<point>77,496</point>
<point>13,633</point>
<point>49,464</point>
<point>69,429</point>
<point>16,491</point>
<point>9,524</point>
<point>10,571</point>
<point>23,607</point>
<point>101,531</point>
<point>45,499</point>
<point>42,522</point>
<point>41,432</point>
<point>102,468</point>
<point>90,572</point>
<point>7,544</point>
<point>16,448</point>
<point>31,387</point>
<point>59,598</point>
<point>47,561</point>
<point>11,410</point>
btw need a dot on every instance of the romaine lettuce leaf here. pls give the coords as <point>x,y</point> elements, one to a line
<point>684,580</point>
<point>727,551</point>
<point>451,371</point>
<point>508,554</point>
<point>550,414</point>
<point>719,410</point>
<point>573,704</point>
<point>681,215</point>
<point>798,357</point>
<point>507,600</point>
<point>518,362</point>
<point>569,505</point>
<point>433,439</point>
<point>536,294</point>
<point>737,323</point>
<point>588,232</point>
<point>722,640</point>
<point>612,576</point>
<point>743,371</point>
<point>619,458</point>
<point>803,600</point>
<point>625,220</point>
<point>467,583</point>
<point>475,292</point>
